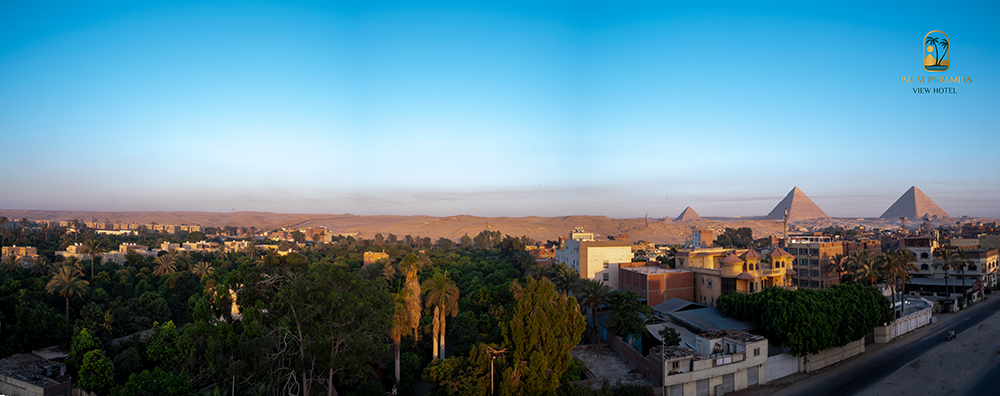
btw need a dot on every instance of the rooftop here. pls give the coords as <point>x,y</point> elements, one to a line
<point>710,319</point>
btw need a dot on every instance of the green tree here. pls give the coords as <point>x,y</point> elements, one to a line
<point>161,347</point>
<point>628,314</point>
<point>442,300</point>
<point>670,336</point>
<point>592,294</point>
<point>82,343</point>
<point>67,283</point>
<point>97,373</point>
<point>410,266</point>
<point>945,260</point>
<point>164,265</point>
<point>544,326</point>
<point>157,382</point>
<point>95,248</point>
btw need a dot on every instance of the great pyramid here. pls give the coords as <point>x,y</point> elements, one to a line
<point>914,204</point>
<point>687,215</point>
<point>799,206</point>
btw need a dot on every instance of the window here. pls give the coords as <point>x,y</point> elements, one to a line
<point>814,252</point>
<point>756,351</point>
<point>793,251</point>
<point>803,283</point>
<point>676,365</point>
<point>709,283</point>
<point>924,267</point>
<point>972,267</point>
<point>811,273</point>
<point>923,255</point>
<point>605,276</point>
<point>814,262</point>
<point>605,265</point>
<point>814,284</point>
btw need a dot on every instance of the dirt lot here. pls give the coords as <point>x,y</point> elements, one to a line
<point>607,364</point>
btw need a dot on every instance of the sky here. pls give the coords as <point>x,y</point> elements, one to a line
<point>536,108</point>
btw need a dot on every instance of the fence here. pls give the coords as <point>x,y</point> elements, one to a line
<point>780,366</point>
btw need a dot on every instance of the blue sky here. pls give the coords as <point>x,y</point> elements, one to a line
<point>494,108</point>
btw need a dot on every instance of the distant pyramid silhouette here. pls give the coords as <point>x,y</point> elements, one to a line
<point>914,204</point>
<point>687,215</point>
<point>799,206</point>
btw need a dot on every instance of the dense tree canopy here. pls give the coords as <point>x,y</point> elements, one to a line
<point>807,320</point>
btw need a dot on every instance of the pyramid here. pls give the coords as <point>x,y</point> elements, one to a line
<point>687,215</point>
<point>914,204</point>
<point>799,206</point>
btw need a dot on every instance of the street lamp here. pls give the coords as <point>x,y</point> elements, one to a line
<point>494,353</point>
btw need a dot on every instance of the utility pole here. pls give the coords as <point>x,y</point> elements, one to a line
<point>494,353</point>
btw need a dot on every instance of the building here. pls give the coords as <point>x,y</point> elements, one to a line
<point>813,260</point>
<point>594,259</point>
<point>28,374</point>
<point>924,248</point>
<point>702,238</point>
<point>371,257</point>
<point>871,245</point>
<point>720,270</point>
<point>655,284</point>
<point>26,254</point>
<point>982,265</point>
<point>724,361</point>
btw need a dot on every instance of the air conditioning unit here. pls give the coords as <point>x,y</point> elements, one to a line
<point>719,391</point>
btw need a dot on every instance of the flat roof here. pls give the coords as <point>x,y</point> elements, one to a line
<point>654,270</point>
<point>709,319</point>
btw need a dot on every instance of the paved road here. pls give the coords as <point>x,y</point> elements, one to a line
<point>853,378</point>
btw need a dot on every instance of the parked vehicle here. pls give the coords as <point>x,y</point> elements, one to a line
<point>950,336</point>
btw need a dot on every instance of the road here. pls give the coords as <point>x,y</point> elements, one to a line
<point>856,376</point>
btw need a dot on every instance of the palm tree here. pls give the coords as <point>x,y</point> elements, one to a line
<point>379,272</point>
<point>203,269</point>
<point>95,249</point>
<point>564,277</point>
<point>67,283</point>
<point>839,265</point>
<point>944,261</point>
<point>962,260</point>
<point>164,265</point>
<point>934,41</point>
<point>944,44</point>
<point>593,294</point>
<point>410,266</point>
<point>400,324</point>
<point>865,265</point>
<point>74,262</point>
<point>42,266</point>
<point>11,263</point>
<point>442,298</point>
<point>899,264</point>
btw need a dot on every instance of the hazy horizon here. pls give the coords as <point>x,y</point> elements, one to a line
<point>493,108</point>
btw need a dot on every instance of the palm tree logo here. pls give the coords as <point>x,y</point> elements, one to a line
<point>936,56</point>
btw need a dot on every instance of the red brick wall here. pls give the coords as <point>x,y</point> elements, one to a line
<point>662,287</point>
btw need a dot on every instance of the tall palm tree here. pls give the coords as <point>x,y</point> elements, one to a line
<point>442,298</point>
<point>945,260</point>
<point>410,266</point>
<point>933,41</point>
<point>203,269</point>
<point>95,249</point>
<point>400,324</point>
<point>593,294</point>
<point>66,283</point>
<point>899,264</point>
<point>961,261</point>
<point>564,277</point>
<point>944,44</point>
<point>863,265</point>
<point>74,262</point>
<point>839,265</point>
<point>10,263</point>
<point>164,265</point>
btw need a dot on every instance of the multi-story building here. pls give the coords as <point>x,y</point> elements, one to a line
<point>871,245</point>
<point>702,238</point>
<point>718,271</point>
<point>654,283</point>
<point>723,362</point>
<point>923,247</point>
<point>26,254</point>
<point>594,259</point>
<point>982,266</point>
<point>813,260</point>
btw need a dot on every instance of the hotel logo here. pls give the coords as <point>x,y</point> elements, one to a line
<point>937,58</point>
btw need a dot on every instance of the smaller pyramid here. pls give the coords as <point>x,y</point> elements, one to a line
<point>799,206</point>
<point>914,204</point>
<point>687,215</point>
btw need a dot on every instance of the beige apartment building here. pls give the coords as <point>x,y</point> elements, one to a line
<point>594,259</point>
<point>814,260</point>
<point>371,257</point>
<point>718,271</point>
